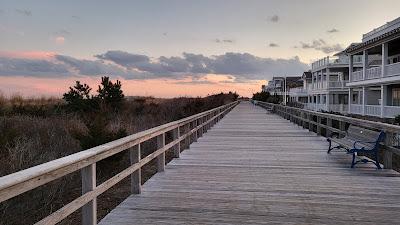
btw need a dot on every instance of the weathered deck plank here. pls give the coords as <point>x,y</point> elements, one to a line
<point>257,168</point>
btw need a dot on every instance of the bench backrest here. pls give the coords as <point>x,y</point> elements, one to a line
<point>365,135</point>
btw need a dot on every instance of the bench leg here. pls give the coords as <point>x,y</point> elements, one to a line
<point>377,161</point>
<point>353,160</point>
<point>330,146</point>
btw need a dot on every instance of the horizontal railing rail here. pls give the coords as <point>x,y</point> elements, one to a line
<point>317,121</point>
<point>187,129</point>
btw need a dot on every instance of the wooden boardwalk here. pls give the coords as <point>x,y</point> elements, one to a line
<point>257,168</point>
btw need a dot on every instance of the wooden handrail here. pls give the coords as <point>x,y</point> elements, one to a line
<point>31,178</point>
<point>305,118</point>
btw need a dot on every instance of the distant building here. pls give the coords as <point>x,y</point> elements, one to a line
<point>374,88</point>
<point>326,83</point>
<point>276,86</point>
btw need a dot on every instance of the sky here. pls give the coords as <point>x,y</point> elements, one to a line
<point>171,48</point>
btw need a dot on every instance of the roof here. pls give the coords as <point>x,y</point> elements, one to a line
<point>395,33</point>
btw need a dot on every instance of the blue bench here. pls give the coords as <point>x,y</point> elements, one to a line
<point>359,140</point>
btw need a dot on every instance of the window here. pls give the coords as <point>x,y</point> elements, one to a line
<point>396,96</point>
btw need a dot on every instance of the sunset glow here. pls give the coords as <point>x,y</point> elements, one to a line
<point>172,49</point>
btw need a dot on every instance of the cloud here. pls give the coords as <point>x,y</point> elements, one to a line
<point>239,65</point>
<point>274,18</point>
<point>60,40</point>
<point>224,40</point>
<point>124,58</point>
<point>31,67</point>
<point>333,30</point>
<point>23,12</point>
<point>272,45</point>
<point>95,68</point>
<point>28,54</point>
<point>321,45</point>
<point>236,67</point>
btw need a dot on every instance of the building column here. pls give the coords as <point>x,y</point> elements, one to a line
<point>383,99</point>
<point>312,81</point>
<point>350,99</point>
<point>363,100</point>
<point>350,67</point>
<point>365,63</point>
<point>384,58</point>
<point>327,101</point>
<point>327,77</point>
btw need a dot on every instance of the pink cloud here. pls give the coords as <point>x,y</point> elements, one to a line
<point>28,54</point>
<point>59,40</point>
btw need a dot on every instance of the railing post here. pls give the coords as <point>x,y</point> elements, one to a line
<point>203,128</point>
<point>388,155</point>
<point>187,139</point>
<point>310,124</point>
<point>89,211</point>
<point>196,132</point>
<point>342,127</point>
<point>328,124</point>
<point>200,131</point>
<point>134,155</point>
<point>318,125</point>
<point>161,157</point>
<point>177,148</point>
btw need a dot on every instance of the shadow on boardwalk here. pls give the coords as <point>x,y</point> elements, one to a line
<point>257,168</point>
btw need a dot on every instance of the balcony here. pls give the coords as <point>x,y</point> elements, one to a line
<point>356,109</point>
<point>373,110</point>
<point>391,111</point>
<point>374,72</point>
<point>392,69</point>
<point>337,84</point>
<point>320,85</point>
<point>298,92</point>
<point>357,76</point>
<point>335,60</point>
<point>341,108</point>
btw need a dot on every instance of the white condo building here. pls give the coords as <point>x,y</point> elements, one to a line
<point>374,88</point>
<point>326,83</point>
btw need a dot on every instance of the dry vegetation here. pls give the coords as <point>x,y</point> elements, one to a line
<point>34,131</point>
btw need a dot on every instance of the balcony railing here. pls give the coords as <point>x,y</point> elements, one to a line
<point>356,109</point>
<point>392,69</point>
<point>373,110</point>
<point>374,72</point>
<point>337,84</point>
<point>321,85</point>
<point>321,107</point>
<point>298,92</point>
<point>342,108</point>
<point>357,75</point>
<point>391,111</point>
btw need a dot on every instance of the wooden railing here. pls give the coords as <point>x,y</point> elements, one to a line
<point>187,129</point>
<point>326,124</point>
